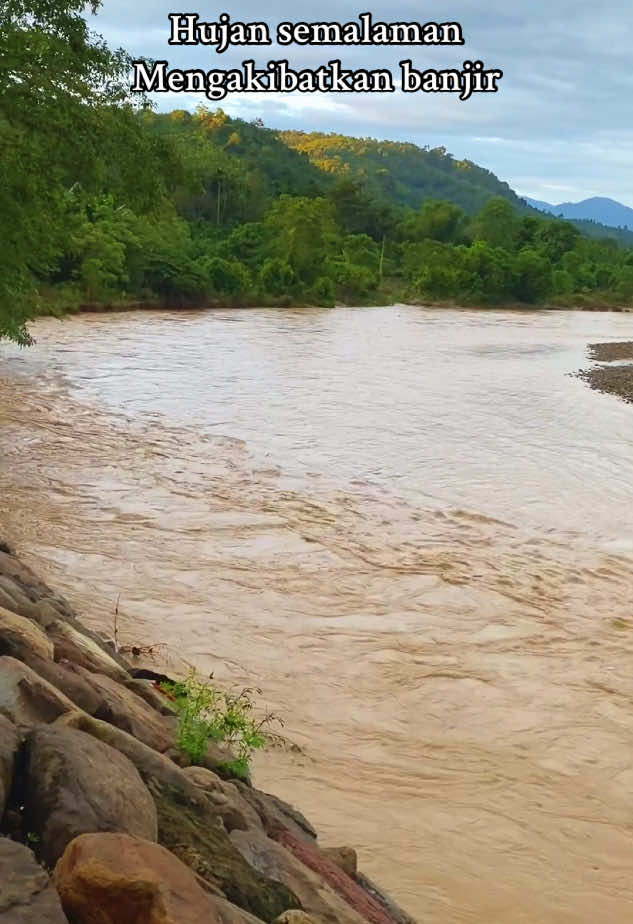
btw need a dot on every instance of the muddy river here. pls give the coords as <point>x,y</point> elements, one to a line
<point>411,528</point>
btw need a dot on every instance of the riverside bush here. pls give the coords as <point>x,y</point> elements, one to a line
<point>206,714</point>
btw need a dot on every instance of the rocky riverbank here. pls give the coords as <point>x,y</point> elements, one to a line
<point>611,379</point>
<point>102,822</point>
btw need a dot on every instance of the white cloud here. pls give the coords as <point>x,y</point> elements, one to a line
<point>561,116</point>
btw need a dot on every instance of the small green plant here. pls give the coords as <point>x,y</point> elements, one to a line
<point>206,714</point>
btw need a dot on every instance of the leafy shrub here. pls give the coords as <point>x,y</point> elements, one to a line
<point>322,292</point>
<point>277,277</point>
<point>206,714</point>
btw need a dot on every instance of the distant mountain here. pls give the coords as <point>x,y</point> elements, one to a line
<point>540,205</point>
<point>605,211</point>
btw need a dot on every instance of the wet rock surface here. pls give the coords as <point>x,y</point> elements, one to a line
<point>76,784</point>
<point>27,895</point>
<point>26,699</point>
<point>113,878</point>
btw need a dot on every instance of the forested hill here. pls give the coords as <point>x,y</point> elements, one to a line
<point>407,174</point>
<point>402,172</point>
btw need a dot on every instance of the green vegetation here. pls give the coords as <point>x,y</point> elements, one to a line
<point>206,714</point>
<point>105,202</point>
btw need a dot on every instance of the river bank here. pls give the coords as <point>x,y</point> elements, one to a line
<point>94,794</point>
<point>388,298</point>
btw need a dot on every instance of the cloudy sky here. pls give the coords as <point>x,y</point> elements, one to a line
<point>559,129</point>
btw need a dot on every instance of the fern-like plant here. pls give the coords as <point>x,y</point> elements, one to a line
<point>206,714</point>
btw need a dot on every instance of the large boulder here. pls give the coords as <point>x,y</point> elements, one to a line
<point>338,880</point>
<point>68,677</point>
<point>234,810</point>
<point>27,895</point>
<point>116,879</point>
<point>20,583</point>
<point>227,913</point>
<point>155,769</point>
<point>27,580</point>
<point>316,897</point>
<point>189,824</point>
<point>194,832</point>
<point>13,598</point>
<point>75,785</point>
<point>8,751</point>
<point>26,699</point>
<point>123,708</point>
<point>73,644</point>
<point>20,637</point>
<point>398,915</point>
<point>277,815</point>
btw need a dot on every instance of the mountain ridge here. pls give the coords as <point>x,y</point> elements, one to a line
<point>601,209</point>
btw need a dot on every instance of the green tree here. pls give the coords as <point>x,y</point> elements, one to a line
<point>306,233</point>
<point>496,224</point>
<point>556,238</point>
<point>277,277</point>
<point>533,276</point>
<point>225,277</point>
<point>440,221</point>
<point>64,103</point>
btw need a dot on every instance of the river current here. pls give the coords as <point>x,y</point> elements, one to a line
<point>411,528</point>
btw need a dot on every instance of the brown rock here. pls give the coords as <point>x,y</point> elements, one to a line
<point>277,815</point>
<point>126,710</point>
<point>189,825</point>
<point>155,769</point>
<point>116,879</point>
<point>26,893</point>
<point>47,611</point>
<point>344,857</point>
<point>234,810</point>
<point>194,832</point>
<point>76,784</point>
<point>228,913</point>
<point>20,637</point>
<point>8,751</point>
<point>68,678</point>
<point>398,915</point>
<point>26,699</point>
<point>13,598</point>
<point>316,897</point>
<point>74,645</point>
<point>349,890</point>
<point>27,580</point>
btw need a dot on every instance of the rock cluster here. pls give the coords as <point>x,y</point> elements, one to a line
<point>100,823</point>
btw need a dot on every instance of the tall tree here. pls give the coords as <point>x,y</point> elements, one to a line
<point>63,93</point>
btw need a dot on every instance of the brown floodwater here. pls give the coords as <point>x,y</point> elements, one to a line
<point>412,528</point>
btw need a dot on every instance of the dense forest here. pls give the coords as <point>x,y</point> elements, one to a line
<point>106,202</point>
